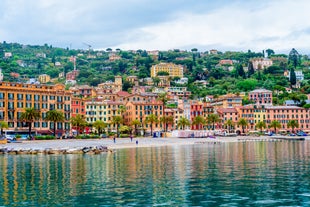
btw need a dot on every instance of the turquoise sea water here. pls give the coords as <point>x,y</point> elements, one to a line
<point>227,174</point>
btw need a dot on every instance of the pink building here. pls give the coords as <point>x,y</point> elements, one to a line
<point>261,97</point>
<point>196,110</point>
<point>283,114</point>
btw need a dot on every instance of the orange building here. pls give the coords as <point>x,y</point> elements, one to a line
<point>139,110</point>
<point>255,113</point>
<point>15,97</point>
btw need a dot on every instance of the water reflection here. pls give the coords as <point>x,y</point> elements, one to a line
<point>234,174</point>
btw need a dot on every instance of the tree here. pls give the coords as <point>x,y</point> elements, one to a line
<point>3,125</point>
<point>79,122</point>
<point>269,52</point>
<point>212,119</point>
<point>162,73</point>
<point>29,116</point>
<point>243,123</point>
<point>136,123</point>
<point>166,120</point>
<point>121,110</point>
<point>156,81</point>
<point>250,69</point>
<point>183,122</point>
<point>292,77</point>
<point>117,120</point>
<point>151,119</point>
<point>294,58</point>
<point>100,126</point>
<point>293,124</point>
<point>199,120</point>
<point>275,125</point>
<point>163,97</point>
<point>229,124</point>
<point>240,71</point>
<point>55,116</point>
<point>261,125</point>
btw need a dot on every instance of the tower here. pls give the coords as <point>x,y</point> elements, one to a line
<point>118,83</point>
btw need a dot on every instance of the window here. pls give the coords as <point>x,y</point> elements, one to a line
<point>44,124</point>
<point>36,97</point>
<point>10,105</point>
<point>10,96</point>
<point>20,96</point>
<point>1,95</point>
<point>28,97</point>
<point>20,105</point>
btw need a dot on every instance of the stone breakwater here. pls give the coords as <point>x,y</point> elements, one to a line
<point>51,151</point>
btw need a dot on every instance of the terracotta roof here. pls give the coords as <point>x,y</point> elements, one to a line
<point>122,93</point>
<point>227,110</point>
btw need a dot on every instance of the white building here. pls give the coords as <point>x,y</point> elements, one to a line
<point>1,75</point>
<point>298,73</point>
<point>182,81</point>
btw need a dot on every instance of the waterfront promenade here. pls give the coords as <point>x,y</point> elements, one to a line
<point>121,143</point>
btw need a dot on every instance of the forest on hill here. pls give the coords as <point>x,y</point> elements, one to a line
<point>95,67</point>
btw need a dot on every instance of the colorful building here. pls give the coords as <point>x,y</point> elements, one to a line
<point>15,97</point>
<point>173,69</point>
<point>261,97</point>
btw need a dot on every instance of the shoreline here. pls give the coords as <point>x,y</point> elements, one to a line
<point>96,146</point>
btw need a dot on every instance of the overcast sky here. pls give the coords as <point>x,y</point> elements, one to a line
<point>226,25</point>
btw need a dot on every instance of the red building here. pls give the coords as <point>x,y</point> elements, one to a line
<point>196,110</point>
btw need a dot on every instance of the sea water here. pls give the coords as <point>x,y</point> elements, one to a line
<point>222,174</point>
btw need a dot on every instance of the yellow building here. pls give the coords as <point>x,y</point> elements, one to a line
<point>15,97</point>
<point>103,110</point>
<point>227,101</point>
<point>173,69</point>
<point>44,78</point>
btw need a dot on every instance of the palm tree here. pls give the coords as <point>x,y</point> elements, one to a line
<point>121,110</point>
<point>136,123</point>
<point>29,116</point>
<point>55,116</point>
<point>213,118</point>
<point>3,125</point>
<point>164,99</point>
<point>166,120</point>
<point>199,120</point>
<point>229,124</point>
<point>79,122</point>
<point>293,124</point>
<point>183,122</point>
<point>116,120</point>
<point>99,125</point>
<point>275,124</point>
<point>261,125</point>
<point>151,119</point>
<point>243,123</point>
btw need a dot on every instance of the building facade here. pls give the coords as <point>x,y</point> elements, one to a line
<point>15,97</point>
<point>173,69</point>
<point>261,96</point>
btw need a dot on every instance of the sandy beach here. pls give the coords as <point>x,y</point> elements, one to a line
<point>120,143</point>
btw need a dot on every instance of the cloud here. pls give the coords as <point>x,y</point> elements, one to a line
<point>280,25</point>
<point>162,24</point>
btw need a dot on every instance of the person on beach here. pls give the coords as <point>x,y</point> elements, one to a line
<point>114,139</point>
<point>136,142</point>
<point>131,138</point>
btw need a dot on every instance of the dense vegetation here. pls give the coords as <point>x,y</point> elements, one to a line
<point>95,68</point>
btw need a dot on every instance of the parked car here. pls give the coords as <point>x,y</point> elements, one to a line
<point>292,134</point>
<point>302,134</point>
<point>103,136</point>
